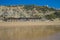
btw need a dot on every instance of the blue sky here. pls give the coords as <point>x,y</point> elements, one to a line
<point>51,3</point>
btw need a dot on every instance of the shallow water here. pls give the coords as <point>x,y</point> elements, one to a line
<point>30,33</point>
<point>51,37</point>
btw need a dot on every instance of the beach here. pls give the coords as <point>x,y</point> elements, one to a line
<point>28,30</point>
<point>29,23</point>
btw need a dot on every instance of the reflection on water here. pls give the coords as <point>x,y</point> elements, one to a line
<point>50,32</point>
<point>55,36</point>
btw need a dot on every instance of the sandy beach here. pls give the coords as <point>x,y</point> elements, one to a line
<point>28,23</point>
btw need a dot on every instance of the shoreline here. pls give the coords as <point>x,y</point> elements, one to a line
<point>28,23</point>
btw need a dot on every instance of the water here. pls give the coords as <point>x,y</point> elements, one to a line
<point>52,37</point>
<point>30,33</point>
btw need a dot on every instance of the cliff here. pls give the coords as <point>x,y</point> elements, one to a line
<point>29,11</point>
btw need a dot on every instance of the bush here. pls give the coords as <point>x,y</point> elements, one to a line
<point>57,14</point>
<point>50,17</point>
<point>29,7</point>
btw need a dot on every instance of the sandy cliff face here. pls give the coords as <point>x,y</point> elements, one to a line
<point>19,11</point>
<point>26,12</point>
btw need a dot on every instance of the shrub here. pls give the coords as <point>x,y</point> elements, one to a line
<point>57,14</point>
<point>50,17</point>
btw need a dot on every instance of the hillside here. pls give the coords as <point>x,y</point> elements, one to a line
<point>29,11</point>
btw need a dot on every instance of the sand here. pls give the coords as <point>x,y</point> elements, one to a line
<point>28,23</point>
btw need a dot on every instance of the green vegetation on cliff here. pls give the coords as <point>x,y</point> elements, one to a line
<point>29,11</point>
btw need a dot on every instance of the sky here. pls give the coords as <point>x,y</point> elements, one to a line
<point>50,3</point>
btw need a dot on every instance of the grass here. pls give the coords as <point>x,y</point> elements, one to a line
<point>17,33</point>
